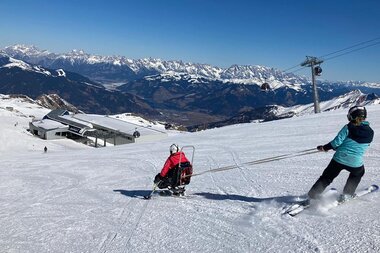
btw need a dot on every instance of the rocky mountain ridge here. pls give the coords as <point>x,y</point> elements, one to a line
<point>123,69</point>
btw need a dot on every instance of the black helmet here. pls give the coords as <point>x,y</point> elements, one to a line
<point>356,112</point>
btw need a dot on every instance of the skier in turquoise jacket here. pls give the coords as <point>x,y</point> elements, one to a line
<point>350,145</point>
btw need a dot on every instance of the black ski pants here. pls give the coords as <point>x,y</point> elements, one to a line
<point>171,179</point>
<point>331,172</point>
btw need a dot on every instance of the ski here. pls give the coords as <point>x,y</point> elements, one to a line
<point>297,207</point>
<point>327,200</point>
<point>340,201</point>
<point>167,193</point>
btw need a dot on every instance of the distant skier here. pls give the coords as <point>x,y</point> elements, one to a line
<point>349,145</point>
<point>169,177</point>
<point>45,149</point>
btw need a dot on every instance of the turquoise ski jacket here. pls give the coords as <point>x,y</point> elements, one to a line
<point>351,143</point>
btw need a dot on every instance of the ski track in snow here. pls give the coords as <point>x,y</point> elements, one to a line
<point>75,199</point>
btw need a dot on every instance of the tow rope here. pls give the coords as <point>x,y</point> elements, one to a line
<point>264,160</point>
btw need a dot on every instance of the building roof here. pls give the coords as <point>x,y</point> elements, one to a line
<point>116,125</point>
<point>48,124</point>
<point>102,126</point>
<point>64,117</point>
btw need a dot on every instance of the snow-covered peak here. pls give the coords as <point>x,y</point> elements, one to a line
<point>161,66</point>
<point>79,52</point>
<point>10,62</point>
<point>261,74</point>
<point>25,50</point>
<point>172,76</point>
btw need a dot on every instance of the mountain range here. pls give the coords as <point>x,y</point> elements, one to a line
<point>188,94</point>
<point>119,69</point>
<point>19,77</point>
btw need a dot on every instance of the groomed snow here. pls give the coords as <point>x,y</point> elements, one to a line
<point>79,199</point>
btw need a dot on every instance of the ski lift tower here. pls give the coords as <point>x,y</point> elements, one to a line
<point>316,70</point>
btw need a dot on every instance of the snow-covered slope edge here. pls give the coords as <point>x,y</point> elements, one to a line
<point>348,100</point>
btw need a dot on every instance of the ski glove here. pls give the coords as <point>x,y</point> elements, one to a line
<point>325,148</point>
<point>320,148</point>
<point>157,178</point>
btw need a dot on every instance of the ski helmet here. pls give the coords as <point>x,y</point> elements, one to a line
<point>356,112</point>
<point>173,148</point>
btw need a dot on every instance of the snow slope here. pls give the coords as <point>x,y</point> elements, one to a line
<point>355,97</point>
<point>78,199</point>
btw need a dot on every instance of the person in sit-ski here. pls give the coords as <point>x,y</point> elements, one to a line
<point>349,145</point>
<point>168,177</point>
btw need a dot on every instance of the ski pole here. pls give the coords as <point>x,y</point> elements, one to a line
<point>154,189</point>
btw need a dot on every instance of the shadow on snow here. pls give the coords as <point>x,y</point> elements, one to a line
<point>134,193</point>
<point>215,196</point>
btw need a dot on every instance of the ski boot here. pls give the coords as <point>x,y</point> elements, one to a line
<point>178,191</point>
<point>165,193</point>
<point>345,197</point>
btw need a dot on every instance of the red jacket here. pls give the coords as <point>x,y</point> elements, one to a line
<point>172,162</point>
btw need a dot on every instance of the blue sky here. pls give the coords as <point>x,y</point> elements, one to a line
<point>271,33</point>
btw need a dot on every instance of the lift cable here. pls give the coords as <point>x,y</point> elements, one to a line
<point>344,49</point>
<point>354,50</point>
<point>338,51</point>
